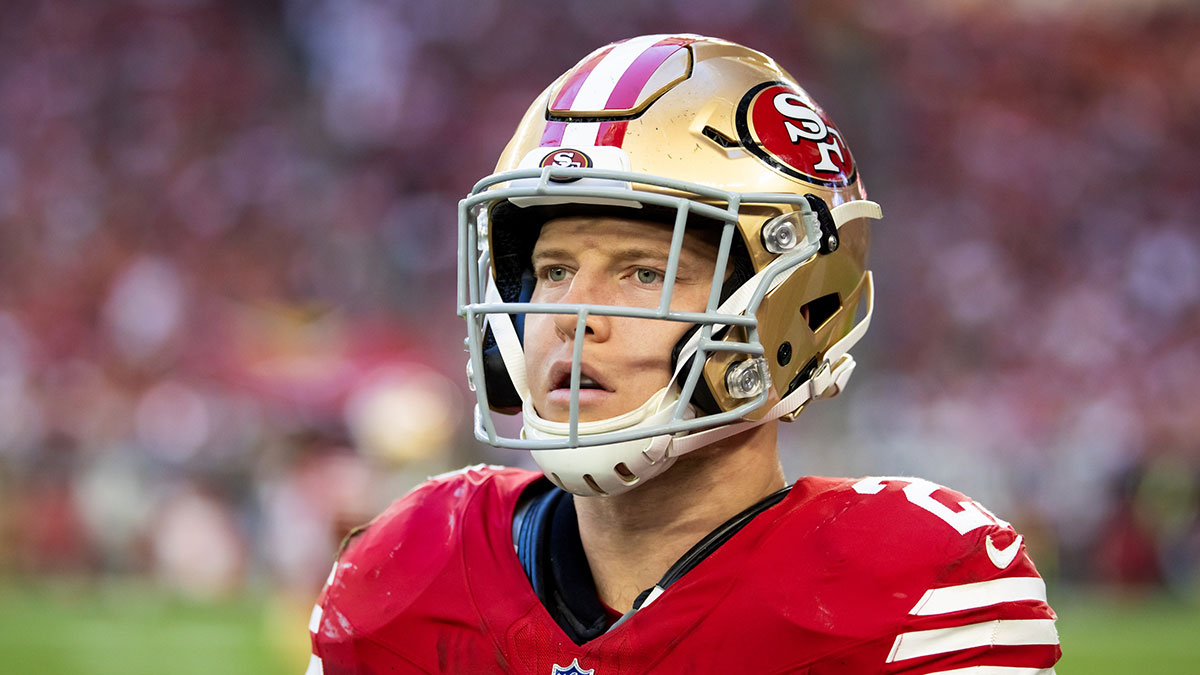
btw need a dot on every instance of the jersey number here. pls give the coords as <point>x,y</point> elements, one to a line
<point>920,492</point>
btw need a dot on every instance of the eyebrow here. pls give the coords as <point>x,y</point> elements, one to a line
<point>621,255</point>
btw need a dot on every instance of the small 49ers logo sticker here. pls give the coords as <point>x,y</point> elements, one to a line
<point>782,126</point>
<point>567,158</point>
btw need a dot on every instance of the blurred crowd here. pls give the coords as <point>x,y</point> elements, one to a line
<point>227,249</point>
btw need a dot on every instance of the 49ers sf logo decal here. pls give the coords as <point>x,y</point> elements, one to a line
<point>567,158</point>
<point>782,126</point>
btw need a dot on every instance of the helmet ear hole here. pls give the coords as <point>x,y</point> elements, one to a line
<point>819,310</point>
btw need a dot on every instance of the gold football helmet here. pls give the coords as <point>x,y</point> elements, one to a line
<point>691,131</point>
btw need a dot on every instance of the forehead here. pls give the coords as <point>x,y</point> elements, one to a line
<point>615,233</point>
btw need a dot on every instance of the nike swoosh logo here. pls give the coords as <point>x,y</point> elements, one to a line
<point>1002,557</point>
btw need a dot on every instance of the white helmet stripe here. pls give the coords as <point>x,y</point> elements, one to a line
<point>598,86</point>
<point>580,134</point>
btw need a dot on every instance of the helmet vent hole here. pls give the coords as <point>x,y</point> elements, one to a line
<point>556,480</point>
<point>626,475</point>
<point>719,138</point>
<point>591,482</point>
<point>817,312</point>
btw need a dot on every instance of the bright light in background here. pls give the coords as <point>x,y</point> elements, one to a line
<point>145,307</point>
<point>403,414</point>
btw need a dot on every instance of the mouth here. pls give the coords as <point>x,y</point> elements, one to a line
<point>560,378</point>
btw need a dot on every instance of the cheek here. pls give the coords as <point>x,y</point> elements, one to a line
<point>540,341</point>
<point>539,328</point>
<point>649,343</point>
<point>691,298</point>
<point>646,335</point>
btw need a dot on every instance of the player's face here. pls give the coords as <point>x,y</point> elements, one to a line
<point>608,261</point>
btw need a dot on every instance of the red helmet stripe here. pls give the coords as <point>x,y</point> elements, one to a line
<point>611,133</point>
<point>552,135</point>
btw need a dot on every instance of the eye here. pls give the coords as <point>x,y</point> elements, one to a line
<point>556,273</point>
<point>648,276</point>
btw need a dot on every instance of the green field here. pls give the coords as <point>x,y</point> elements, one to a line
<point>81,629</point>
<point>134,630</point>
<point>1105,634</point>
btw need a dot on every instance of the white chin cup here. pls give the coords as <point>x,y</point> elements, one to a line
<point>611,468</point>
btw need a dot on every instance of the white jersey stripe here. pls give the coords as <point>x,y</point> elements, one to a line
<point>996,670</point>
<point>314,666</point>
<point>594,93</point>
<point>981,594</point>
<point>987,634</point>
<point>314,621</point>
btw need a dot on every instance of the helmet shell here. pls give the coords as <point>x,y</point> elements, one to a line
<point>718,114</point>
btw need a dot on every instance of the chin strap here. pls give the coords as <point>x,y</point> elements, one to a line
<point>591,470</point>
<point>508,343</point>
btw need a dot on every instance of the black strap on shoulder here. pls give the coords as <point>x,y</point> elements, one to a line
<point>704,548</point>
<point>718,537</point>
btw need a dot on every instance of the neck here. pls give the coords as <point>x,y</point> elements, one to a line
<point>632,539</point>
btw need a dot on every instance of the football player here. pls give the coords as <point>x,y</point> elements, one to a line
<point>669,260</point>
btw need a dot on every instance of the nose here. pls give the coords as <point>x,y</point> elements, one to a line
<point>584,291</point>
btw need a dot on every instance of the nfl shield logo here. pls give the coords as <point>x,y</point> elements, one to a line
<point>572,669</point>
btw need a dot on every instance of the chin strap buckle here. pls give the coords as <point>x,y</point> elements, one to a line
<point>829,381</point>
<point>659,448</point>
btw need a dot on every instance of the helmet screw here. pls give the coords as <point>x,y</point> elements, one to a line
<point>785,353</point>
<point>831,243</point>
<point>748,378</point>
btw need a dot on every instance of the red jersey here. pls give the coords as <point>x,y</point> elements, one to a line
<point>878,575</point>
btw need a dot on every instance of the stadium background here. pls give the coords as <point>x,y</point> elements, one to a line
<point>226,293</point>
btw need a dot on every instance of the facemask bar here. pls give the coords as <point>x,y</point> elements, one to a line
<point>601,186</point>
